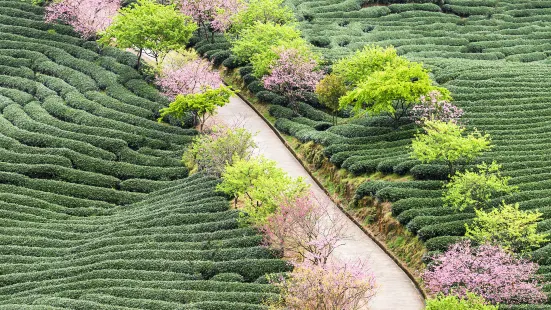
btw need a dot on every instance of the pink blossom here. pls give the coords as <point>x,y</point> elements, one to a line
<point>291,76</point>
<point>334,285</point>
<point>486,270</point>
<point>304,229</point>
<point>432,108</point>
<point>216,13</point>
<point>87,17</point>
<point>191,78</point>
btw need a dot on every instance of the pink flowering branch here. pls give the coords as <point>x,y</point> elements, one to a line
<point>488,271</point>
<point>191,78</point>
<point>292,76</point>
<point>334,285</point>
<point>304,229</point>
<point>214,14</point>
<point>87,17</point>
<point>432,107</point>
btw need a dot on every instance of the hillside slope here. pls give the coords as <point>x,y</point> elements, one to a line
<point>96,211</point>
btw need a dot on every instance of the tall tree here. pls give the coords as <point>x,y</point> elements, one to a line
<point>263,186</point>
<point>447,142</point>
<point>263,11</point>
<point>335,285</point>
<point>508,226</point>
<point>381,82</point>
<point>150,28</point>
<point>191,78</point>
<point>474,189</point>
<point>87,17</point>
<point>202,105</point>
<point>488,271</point>
<point>215,15</point>
<point>329,90</point>
<point>260,37</point>
<point>292,76</point>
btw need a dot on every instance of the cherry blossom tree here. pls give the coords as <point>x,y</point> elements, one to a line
<point>212,14</point>
<point>292,75</point>
<point>333,286</point>
<point>191,78</point>
<point>304,229</point>
<point>488,271</point>
<point>433,107</point>
<point>87,17</point>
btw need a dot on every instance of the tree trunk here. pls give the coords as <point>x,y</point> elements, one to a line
<point>139,58</point>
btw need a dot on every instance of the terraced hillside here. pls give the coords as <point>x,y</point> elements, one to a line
<point>80,155</point>
<point>180,248</point>
<point>494,56</point>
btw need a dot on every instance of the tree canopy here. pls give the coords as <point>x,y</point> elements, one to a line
<point>446,142</point>
<point>150,28</point>
<point>260,37</point>
<point>202,105</point>
<point>472,189</point>
<point>263,11</point>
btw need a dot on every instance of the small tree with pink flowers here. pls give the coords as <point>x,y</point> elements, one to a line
<point>332,286</point>
<point>292,76</point>
<point>433,108</point>
<point>304,229</point>
<point>488,271</point>
<point>211,14</point>
<point>87,17</point>
<point>191,78</point>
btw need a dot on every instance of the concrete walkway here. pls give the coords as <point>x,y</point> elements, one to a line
<point>396,291</point>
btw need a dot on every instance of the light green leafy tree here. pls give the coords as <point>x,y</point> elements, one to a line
<point>210,153</point>
<point>202,105</point>
<point>262,185</point>
<point>359,66</point>
<point>393,90</point>
<point>329,90</point>
<point>263,11</point>
<point>260,37</point>
<point>150,28</point>
<point>475,189</point>
<point>451,302</point>
<point>447,142</point>
<point>508,226</point>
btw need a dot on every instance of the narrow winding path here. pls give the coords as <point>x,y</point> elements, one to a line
<point>396,291</point>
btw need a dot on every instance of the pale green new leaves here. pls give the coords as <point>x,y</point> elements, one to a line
<point>383,82</point>
<point>263,11</point>
<point>508,226</point>
<point>452,302</point>
<point>475,189</point>
<point>211,153</point>
<point>202,105</point>
<point>392,90</point>
<point>260,37</point>
<point>358,67</point>
<point>447,142</point>
<point>150,27</point>
<point>262,184</point>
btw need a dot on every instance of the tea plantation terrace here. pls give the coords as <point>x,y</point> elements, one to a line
<point>96,208</point>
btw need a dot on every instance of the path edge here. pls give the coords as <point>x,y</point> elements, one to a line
<point>366,231</point>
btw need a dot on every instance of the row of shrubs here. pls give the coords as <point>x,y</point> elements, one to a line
<point>210,258</point>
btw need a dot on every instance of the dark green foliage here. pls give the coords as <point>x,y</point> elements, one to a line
<point>249,78</point>
<point>96,209</point>
<point>430,172</point>
<point>219,57</point>
<point>256,87</point>
<point>232,62</point>
<point>245,70</point>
